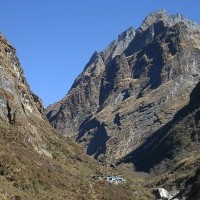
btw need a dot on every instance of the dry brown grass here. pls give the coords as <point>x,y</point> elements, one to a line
<point>181,171</point>
<point>67,175</point>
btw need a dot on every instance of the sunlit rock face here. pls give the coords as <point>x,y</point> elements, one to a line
<point>132,88</point>
<point>19,106</point>
<point>69,113</point>
<point>15,96</point>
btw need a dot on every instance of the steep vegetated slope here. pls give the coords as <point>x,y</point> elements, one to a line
<point>132,88</point>
<point>178,138</point>
<point>172,152</point>
<point>35,161</point>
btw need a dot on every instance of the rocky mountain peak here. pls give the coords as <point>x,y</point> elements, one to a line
<point>87,83</point>
<point>119,45</point>
<point>115,48</point>
<point>132,88</point>
<point>96,56</point>
<point>154,17</point>
<point>130,32</point>
<point>168,20</point>
<point>191,25</point>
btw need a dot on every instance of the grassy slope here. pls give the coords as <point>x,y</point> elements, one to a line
<point>67,175</point>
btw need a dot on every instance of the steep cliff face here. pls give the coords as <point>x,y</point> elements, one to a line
<point>35,161</point>
<point>16,97</point>
<point>172,152</point>
<point>177,139</point>
<point>83,97</point>
<point>137,90</point>
<point>19,106</point>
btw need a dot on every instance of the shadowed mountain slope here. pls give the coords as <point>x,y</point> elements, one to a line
<point>122,97</point>
<point>172,152</point>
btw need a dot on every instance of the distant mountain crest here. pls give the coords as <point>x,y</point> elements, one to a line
<point>132,88</point>
<point>119,45</point>
<point>168,20</point>
<point>154,17</point>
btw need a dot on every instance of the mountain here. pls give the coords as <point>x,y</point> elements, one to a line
<point>83,98</point>
<point>172,152</point>
<point>36,162</point>
<point>178,138</point>
<point>132,89</point>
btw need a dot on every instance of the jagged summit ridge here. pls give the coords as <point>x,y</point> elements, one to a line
<point>168,20</point>
<point>125,96</point>
<point>119,45</point>
<point>89,81</point>
<point>102,58</point>
<point>116,47</point>
<point>153,17</point>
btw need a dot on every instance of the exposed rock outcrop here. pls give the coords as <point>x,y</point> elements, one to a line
<point>162,194</point>
<point>172,152</point>
<point>83,98</point>
<point>177,139</point>
<point>133,92</point>
<point>35,161</point>
<point>15,95</point>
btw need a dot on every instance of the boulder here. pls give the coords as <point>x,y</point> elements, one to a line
<point>161,193</point>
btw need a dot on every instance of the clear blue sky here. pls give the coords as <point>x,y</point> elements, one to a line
<point>55,38</point>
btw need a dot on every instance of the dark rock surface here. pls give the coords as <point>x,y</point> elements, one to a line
<point>69,113</point>
<point>179,137</point>
<point>18,104</point>
<point>134,91</point>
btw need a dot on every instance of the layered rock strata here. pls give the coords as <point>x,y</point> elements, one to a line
<point>132,88</point>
